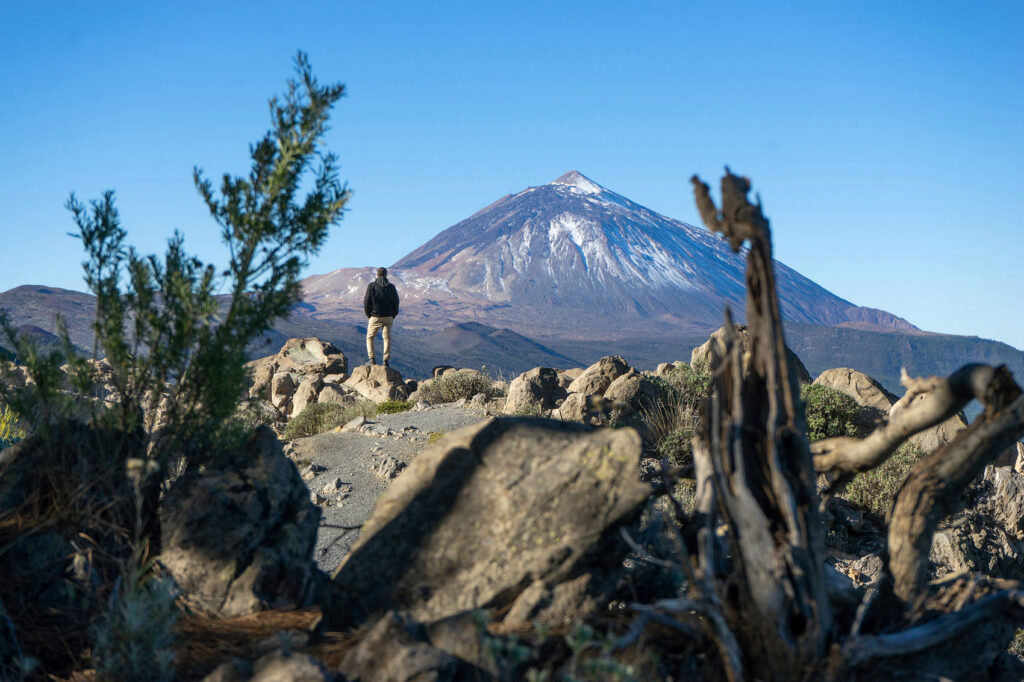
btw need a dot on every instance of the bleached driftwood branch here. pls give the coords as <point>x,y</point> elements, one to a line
<point>863,649</point>
<point>942,398</point>
<point>931,491</point>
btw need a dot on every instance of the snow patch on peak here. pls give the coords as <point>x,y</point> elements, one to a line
<point>579,181</point>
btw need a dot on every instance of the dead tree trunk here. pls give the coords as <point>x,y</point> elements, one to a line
<point>759,464</point>
<point>758,576</point>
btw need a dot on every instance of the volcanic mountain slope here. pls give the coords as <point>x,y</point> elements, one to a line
<point>573,257</point>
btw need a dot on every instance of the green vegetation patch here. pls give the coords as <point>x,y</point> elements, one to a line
<point>672,421</point>
<point>830,413</point>
<point>687,384</point>
<point>455,386</point>
<point>875,490</point>
<point>321,417</point>
<point>394,406</point>
<point>11,428</point>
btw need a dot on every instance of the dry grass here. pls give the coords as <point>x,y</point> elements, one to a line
<point>204,642</point>
<point>669,426</point>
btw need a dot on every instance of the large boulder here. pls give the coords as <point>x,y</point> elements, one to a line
<point>377,383</point>
<point>311,356</point>
<point>281,665</point>
<point>398,649</point>
<point>874,400</point>
<point>282,388</point>
<point>514,513</point>
<point>535,390</point>
<point>879,405</point>
<point>239,536</point>
<point>306,394</point>
<point>596,379</point>
<point>337,393</point>
<point>702,354</point>
<point>633,388</point>
<point>573,408</point>
<point>298,357</point>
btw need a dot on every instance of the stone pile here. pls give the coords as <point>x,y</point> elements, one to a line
<point>307,371</point>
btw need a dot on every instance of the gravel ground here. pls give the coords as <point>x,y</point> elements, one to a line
<point>352,459</point>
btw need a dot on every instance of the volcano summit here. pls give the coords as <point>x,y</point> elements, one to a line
<point>572,258</point>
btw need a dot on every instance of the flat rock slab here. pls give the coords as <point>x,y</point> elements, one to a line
<point>507,508</point>
<point>354,459</point>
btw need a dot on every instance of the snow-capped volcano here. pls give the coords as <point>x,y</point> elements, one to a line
<point>572,257</point>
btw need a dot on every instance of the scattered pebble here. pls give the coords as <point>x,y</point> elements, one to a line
<point>389,467</point>
<point>333,488</point>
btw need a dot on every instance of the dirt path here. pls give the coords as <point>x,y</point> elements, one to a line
<point>353,458</point>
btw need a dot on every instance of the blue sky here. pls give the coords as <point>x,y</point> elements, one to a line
<point>884,137</point>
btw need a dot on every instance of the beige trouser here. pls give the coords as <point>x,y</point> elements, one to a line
<point>384,325</point>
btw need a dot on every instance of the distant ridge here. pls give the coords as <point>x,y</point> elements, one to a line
<point>560,275</point>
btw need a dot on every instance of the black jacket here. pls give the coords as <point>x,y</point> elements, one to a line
<point>381,299</point>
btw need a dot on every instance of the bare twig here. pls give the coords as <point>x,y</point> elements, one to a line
<point>724,638</point>
<point>860,650</point>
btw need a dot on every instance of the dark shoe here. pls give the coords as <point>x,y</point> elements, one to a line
<point>387,363</point>
<point>372,361</point>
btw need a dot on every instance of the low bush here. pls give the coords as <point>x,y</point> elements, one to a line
<point>394,406</point>
<point>670,423</point>
<point>686,384</point>
<point>239,427</point>
<point>135,637</point>
<point>173,332</point>
<point>455,386</point>
<point>321,417</point>
<point>11,429</point>
<point>669,426</point>
<point>249,416</point>
<point>830,413</point>
<point>875,490</point>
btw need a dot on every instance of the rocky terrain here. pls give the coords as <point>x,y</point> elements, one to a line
<point>412,516</point>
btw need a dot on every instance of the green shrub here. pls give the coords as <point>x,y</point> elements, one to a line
<point>11,429</point>
<point>176,351</point>
<point>685,384</point>
<point>830,413</point>
<point>875,490</point>
<point>435,436</point>
<point>238,428</point>
<point>250,416</point>
<point>321,417</point>
<point>134,639</point>
<point>455,386</point>
<point>670,423</point>
<point>394,406</point>
<point>669,426</point>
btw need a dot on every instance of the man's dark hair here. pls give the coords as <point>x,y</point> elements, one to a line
<point>382,272</point>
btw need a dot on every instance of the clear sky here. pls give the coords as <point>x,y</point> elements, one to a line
<point>884,137</point>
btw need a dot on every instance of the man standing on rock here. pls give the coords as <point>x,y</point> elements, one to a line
<point>380,305</point>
